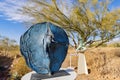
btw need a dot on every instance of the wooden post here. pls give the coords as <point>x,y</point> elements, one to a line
<point>70,61</point>
<point>75,54</point>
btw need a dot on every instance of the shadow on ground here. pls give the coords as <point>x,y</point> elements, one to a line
<point>5,63</point>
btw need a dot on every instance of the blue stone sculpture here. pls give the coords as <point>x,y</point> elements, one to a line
<point>44,47</point>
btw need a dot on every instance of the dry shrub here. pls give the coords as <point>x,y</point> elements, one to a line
<point>117,44</point>
<point>19,68</point>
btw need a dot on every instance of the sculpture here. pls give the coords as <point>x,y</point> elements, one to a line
<point>44,47</point>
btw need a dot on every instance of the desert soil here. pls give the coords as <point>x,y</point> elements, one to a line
<point>102,63</point>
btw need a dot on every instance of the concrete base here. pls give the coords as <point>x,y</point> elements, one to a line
<point>82,66</point>
<point>63,74</point>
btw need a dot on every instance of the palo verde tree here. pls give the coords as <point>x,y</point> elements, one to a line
<point>86,21</point>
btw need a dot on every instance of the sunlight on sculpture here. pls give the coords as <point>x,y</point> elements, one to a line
<point>44,47</point>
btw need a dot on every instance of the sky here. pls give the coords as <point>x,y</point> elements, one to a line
<point>14,29</point>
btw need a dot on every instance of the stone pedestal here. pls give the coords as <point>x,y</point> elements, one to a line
<point>63,74</point>
<point>82,66</point>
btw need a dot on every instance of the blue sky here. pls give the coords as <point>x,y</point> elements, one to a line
<point>116,3</point>
<point>14,30</point>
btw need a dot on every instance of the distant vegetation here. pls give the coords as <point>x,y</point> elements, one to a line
<point>12,64</point>
<point>8,47</point>
<point>116,44</point>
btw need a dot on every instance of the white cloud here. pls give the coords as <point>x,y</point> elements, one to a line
<point>10,9</point>
<point>115,40</point>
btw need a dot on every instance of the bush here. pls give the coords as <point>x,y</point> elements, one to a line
<point>18,69</point>
<point>114,45</point>
<point>95,44</point>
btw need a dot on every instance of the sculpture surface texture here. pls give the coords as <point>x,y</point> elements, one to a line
<point>44,47</point>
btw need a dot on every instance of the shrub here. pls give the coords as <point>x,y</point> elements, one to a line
<point>18,69</point>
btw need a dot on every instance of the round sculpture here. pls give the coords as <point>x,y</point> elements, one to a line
<point>44,47</point>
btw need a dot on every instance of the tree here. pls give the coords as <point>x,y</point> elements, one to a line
<point>7,44</point>
<point>88,21</point>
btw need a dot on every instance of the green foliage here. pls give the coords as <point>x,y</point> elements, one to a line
<point>90,20</point>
